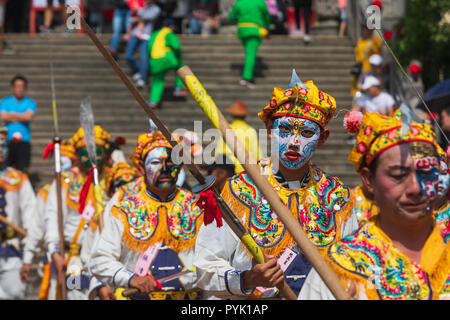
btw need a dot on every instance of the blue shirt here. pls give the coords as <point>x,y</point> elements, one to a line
<point>12,105</point>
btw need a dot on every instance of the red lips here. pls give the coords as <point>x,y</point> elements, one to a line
<point>292,155</point>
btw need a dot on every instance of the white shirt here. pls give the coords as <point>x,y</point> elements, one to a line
<point>379,104</point>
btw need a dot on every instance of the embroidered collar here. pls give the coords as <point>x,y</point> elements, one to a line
<point>285,183</point>
<point>147,221</point>
<point>369,258</point>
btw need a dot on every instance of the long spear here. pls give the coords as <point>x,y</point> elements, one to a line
<point>87,123</point>
<point>298,234</point>
<point>234,223</point>
<point>57,159</point>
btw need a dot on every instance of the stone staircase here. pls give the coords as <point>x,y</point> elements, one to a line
<point>80,70</point>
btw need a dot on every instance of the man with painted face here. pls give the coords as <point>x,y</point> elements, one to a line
<point>17,204</point>
<point>401,252</point>
<point>297,116</point>
<point>364,205</point>
<point>150,233</point>
<point>79,214</point>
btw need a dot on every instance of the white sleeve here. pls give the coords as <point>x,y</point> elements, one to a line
<point>219,261</point>
<point>32,242</point>
<point>105,262</point>
<point>51,220</point>
<point>314,288</point>
<point>27,211</point>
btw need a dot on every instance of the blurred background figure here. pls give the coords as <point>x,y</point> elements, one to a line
<point>377,71</point>
<point>368,44</point>
<point>342,11</point>
<point>165,55</point>
<point>121,23</point>
<point>375,99</point>
<point>205,18</point>
<point>253,20</point>
<point>17,111</point>
<point>49,13</point>
<point>305,5</point>
<point>139,36</point>
<point>245,133</point>
<point>278,16</point>
<point>222,168</point>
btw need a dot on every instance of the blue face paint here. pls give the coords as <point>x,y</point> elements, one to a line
<point>444,179</point>
<point>296,140</point>
<point>427,173</point>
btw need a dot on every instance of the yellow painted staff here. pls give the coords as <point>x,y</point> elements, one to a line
<point>218,120</point>
<point>204,184</point>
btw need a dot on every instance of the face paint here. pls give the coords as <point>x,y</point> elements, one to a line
<point>296,140</point>
<point>84,157</point>
<point>427,172</point>
<point>160,171</point>
<point>444,178</point>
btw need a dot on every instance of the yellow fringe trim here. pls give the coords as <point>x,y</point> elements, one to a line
<point>162,232</point>
<point>13,188</point>
<point>243,213</point>
<point>435,261</point>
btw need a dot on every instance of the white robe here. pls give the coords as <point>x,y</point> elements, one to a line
<point>19,209</point>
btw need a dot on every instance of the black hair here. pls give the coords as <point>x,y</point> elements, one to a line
<point>19,77</point>
<point>373,166</point>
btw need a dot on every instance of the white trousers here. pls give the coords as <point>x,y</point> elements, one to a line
<point>11,288</point>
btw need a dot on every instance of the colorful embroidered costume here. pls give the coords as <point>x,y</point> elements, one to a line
<point>368,258</point>
<point>75,223</point>
<point>364,208</point>
<point>321,203</point>
<point>141,225</point>
<point>17,205</point>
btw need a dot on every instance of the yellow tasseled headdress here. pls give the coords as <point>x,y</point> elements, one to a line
<point>378,133</point>
<point>300,100</point>
<point>101,138</point>
<point>120,174</point>
<point>147,142</point>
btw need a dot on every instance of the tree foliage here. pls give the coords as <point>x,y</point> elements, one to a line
<point>424,34</point>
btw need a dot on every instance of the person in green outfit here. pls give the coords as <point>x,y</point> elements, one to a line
<point>165,55</point>
<point>253,21</point>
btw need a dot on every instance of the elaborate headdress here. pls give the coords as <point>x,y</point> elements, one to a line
<point>377,133</point>
<point>101,138</point>
<point>147,142</point>
<point>302,100</point>
<point>120,174</point>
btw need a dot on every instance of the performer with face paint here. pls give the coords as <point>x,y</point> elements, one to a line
<point>36,231</point>
<point>401,252</point>
<point>17,205</point>
<point>297,116</point>
<point>150,233</point>
<point>78,215</point>
<point>120,179</point>
<point>364,205</point>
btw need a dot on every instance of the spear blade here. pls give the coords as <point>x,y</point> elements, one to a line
<point>87,123</point>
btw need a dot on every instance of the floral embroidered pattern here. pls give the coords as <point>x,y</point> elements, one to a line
<point>147,221</point>
<point>370,255</point>
<point>315,206</point>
